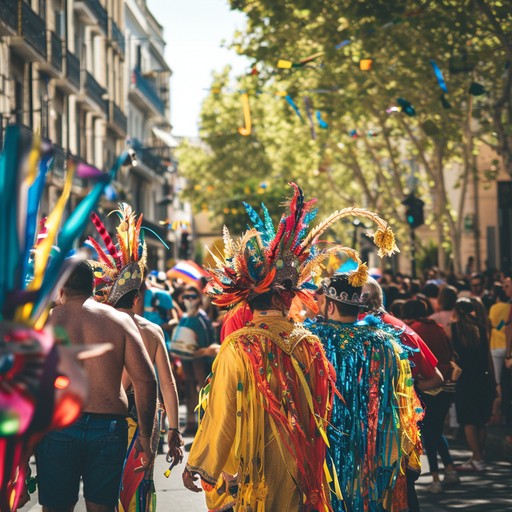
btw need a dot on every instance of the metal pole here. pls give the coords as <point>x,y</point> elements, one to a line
<point>413,253</point>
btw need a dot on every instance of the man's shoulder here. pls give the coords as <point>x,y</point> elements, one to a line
<point>147,325</point>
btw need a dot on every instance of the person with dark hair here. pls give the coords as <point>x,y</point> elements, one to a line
<point>261,440</point>
<point>373,433</point>
<point>478,290</point>
<point>446,302</point>
<point>431,292</point>
<point>437,402</point>
<point>88,322</point>
<point>122,283</point>
<point>193,333</point>
<point>476,387</point>
<point>396,308</point>
<point>499,314</point>
<point>423,365</point>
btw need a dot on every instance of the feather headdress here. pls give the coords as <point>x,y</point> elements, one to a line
<point>120,268</point>
<point>41,386</point>
<point>288,259</point>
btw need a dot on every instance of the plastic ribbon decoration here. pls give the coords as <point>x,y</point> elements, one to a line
<point>246,130</point>
<point>41,385</point>
<point>323,124</point>
<point>287,64</point>
<point>292,104</point>
<point>439,76</point>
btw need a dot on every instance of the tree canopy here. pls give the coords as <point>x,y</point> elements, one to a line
<point>409,91</point>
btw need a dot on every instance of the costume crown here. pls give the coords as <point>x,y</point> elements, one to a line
<point>351,298</point>
<point>120,269</point>
<point>288,260</point>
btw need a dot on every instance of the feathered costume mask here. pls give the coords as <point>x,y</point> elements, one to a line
<point>120,269</point>
<point>41,385</point>
<point>288,260</point>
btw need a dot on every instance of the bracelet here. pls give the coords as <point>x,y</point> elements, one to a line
<point>177,430</point>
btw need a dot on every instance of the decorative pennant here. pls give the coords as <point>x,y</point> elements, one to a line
<point>292,104</point>
<point>323,124</point>
<point>287,64</point>
<point>476,89</point>
<point>406,107</point>
<point>439,76</point>
<point>446,104</point>
<point>88,172</point>
<point>365,64</point>
<point>246,130</point>
<point>342,44</point>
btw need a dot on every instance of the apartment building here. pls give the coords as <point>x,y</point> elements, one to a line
<point>89,75</point>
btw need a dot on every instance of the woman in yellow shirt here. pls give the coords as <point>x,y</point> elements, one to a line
<point>499,313</point>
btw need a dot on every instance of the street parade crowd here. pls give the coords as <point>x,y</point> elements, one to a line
<point>311,382</point>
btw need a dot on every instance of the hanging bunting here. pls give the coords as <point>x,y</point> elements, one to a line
<point>365,64</point>
<point>245,130</point>
<point>287,64</point>
<point>406,107</point>
<point>292,104</point>
<point>476,89</point>
<point>439,76</point>
<point>323,124</point>
<point>446,104</point>
<point>342,44</point>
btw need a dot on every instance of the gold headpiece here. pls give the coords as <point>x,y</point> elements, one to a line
<point>286,261</point>
<point>120,269</point>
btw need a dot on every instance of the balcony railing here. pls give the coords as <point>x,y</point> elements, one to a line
<point>93,89</point>
<point>33,28</point>
<point>119,118</point>
<point>97,10</point>
<point>73,69</point>
<point>148,89</point>
<point>59,162</point>
<point>55,47</point>
<point>149,157</point>
<point>9,13</point>
<point>118,37</point>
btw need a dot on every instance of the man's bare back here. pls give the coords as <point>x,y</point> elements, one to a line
<point>88,322</point>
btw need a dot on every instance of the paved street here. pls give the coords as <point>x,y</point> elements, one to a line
<point>476,493</point>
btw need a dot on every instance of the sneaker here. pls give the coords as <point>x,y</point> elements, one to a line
<point>435,488</point>
<point>451,477</point>
<point>472,465</point>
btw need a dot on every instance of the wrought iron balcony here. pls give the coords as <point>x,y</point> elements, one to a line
<point>29,34</point>
<point>53,66</point>
<point>117,119</point>
<point>8,17</point>
<point>73,69</point>
<point>118,37</point>
<point>92,13</point>
<point>93,89</point>
<point>144,87</point>
<point>59,162</point>
<point>150,157</point>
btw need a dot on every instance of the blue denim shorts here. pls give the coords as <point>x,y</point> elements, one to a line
<point>93,448</point>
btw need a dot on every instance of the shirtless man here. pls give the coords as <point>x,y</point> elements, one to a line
<point>94,447</point>
<point>154,341</point>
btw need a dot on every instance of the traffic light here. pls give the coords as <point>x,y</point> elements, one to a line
<point>414,211</point>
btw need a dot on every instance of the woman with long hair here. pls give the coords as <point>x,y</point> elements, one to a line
<point>476,388</point>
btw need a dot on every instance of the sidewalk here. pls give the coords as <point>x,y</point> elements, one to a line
<point>496,447</point>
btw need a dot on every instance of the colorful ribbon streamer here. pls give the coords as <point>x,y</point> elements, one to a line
<point>246,130</point>
<point>439,76</point>
<point>323,124</point>
<point>292,104</point>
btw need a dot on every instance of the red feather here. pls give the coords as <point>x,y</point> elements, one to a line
<point>109,244</point>
<point>101,253</point>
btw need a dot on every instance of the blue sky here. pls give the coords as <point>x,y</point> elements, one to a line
<point>194,31</point>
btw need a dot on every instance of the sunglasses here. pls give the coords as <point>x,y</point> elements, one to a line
<point>190,297</point>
